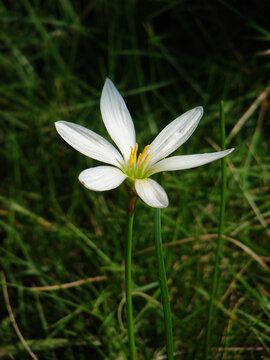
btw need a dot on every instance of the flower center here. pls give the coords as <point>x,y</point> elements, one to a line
<point>137,167</point>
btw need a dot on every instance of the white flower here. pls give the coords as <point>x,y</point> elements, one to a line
<point>126,164</point>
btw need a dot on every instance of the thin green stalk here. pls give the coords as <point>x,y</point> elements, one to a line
<point>215,278</point>
<point>131,339</point>
<point>163,286</point>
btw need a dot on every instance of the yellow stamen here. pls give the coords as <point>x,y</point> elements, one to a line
<point>141,156</point>
<point>144,150</point>
<point>135,151</point>
<point>132,158</point>
<point>139,160</point>
<point>146,159</point>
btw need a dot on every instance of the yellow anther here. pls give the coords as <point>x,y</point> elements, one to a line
<point>141,156</point>
<point>139,160</point>
<point>135,151</point>
<point>144,150</point>
<point>132,158</point>
<point>146,159</point>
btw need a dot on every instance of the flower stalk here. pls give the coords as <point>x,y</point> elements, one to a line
<point>131,200</point>
<point>128,285</point>
<point>163,286</point>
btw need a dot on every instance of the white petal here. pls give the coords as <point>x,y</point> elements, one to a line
<point>152,193</point>
<point>117,119</point>
<point>187,161</point>
<point>102,178</point>
<point>175,134</point>
<point>88,142</point>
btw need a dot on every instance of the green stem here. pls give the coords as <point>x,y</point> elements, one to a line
<point>163,285</point>
<point>131,339</point>
<point>215,279</point>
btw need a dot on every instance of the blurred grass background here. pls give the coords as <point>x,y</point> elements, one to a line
<point>165,57</point>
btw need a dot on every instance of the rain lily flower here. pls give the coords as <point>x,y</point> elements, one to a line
<point>127,164</point>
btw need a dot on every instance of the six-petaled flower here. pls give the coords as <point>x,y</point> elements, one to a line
<point>128,164</point>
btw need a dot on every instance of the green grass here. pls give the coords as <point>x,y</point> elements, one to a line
<point>165,57</point>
